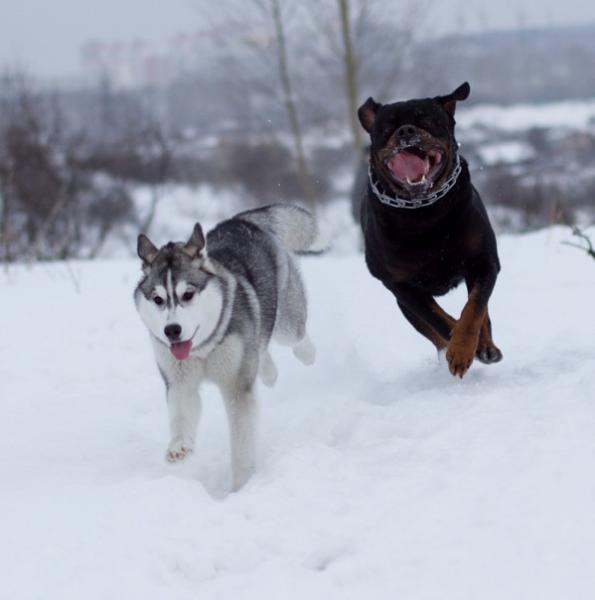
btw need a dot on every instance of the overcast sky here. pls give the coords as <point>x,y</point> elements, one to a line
<point>45,36</point>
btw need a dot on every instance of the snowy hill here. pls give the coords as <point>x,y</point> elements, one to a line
<point>380,475</point>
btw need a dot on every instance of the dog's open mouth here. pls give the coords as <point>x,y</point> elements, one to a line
<point>181,350</point>
<point>415,167</point>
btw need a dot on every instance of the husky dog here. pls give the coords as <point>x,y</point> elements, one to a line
<point>212,306</point>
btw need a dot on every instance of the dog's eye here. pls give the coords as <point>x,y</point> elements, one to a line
<point>187,296</point>
<point>158,300</point>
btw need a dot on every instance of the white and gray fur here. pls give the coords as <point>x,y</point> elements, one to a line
<point>230,295</point>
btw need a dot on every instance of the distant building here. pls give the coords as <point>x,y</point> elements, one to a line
<point>141,63</point>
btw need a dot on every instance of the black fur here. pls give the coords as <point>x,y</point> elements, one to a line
<point>421,253</point>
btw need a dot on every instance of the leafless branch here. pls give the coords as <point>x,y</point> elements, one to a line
<point>587,246</point>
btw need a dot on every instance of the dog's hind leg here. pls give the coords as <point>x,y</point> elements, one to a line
<point>290,328</point>
<point>268,370</point>
<point>464,341</point>
<point>292,310</point>
<point>240,405</point>
<point>305,351</point>
<point>487,351</point>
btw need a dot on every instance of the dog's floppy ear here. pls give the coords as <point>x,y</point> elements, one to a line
<point>196,243</point>
<point>146,249</point>
<point>367,113</point>
<point>450,102</point>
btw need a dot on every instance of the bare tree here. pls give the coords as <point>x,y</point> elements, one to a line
<point>6,210</point>
<point>290,103</point>
<point>53,205</point>
<point>351,75</point>
<point>259,57</point>
<point>586,245</point>
<point>366,47</point>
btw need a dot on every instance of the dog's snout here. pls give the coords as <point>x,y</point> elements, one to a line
<point>407,131</point>
<point>172,331</point>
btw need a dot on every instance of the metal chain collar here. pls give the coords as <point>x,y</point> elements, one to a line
<point>419,201</point>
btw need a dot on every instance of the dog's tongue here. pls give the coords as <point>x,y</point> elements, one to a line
<point>406,165</point>
<point>181,350</point>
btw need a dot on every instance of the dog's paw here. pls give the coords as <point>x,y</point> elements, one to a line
<point>460,354</point>
<point>305,351</point>
<point>488,353</point>
<point>178,450</point>
<point>268,370</point>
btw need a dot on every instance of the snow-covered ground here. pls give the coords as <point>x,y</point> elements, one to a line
<point>574,114</point>
<point>380,476</point>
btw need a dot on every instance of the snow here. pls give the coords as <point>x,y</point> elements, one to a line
<point>573,114</point>
<point>380,475</point>
<point>505,153</point>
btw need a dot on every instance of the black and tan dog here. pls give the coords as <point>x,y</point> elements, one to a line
<point>425,227</point>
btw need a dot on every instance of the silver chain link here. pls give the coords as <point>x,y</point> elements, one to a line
<point>419,201</point>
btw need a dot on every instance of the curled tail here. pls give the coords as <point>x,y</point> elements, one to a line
<point>293,225</point>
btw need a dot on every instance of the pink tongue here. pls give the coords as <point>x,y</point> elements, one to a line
<point>406,165</point>
<point>181,350</point>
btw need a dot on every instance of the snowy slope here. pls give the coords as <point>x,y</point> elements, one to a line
<point>572,114</point>
<point>380,475</point>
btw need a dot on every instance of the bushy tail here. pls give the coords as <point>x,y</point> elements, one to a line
<point>293,225</point>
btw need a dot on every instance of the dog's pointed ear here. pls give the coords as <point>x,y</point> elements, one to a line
<point>145,249</point>
<point>367,113</point>
<point>195,245</point>
<point>449,102</point>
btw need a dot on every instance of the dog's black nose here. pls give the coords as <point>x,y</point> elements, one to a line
<point>407,131</point>
<point>172,331</point>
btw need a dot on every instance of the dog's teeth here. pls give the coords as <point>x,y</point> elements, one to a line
<point>427,165</point>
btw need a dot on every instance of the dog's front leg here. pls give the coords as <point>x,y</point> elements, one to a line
<point>424,313</point>
<point>183,403</point>
<point>465,334</point>
<point>240,404</point>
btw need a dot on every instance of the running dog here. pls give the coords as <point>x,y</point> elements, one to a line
<point>425,227</point>
<point>212,306</point>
